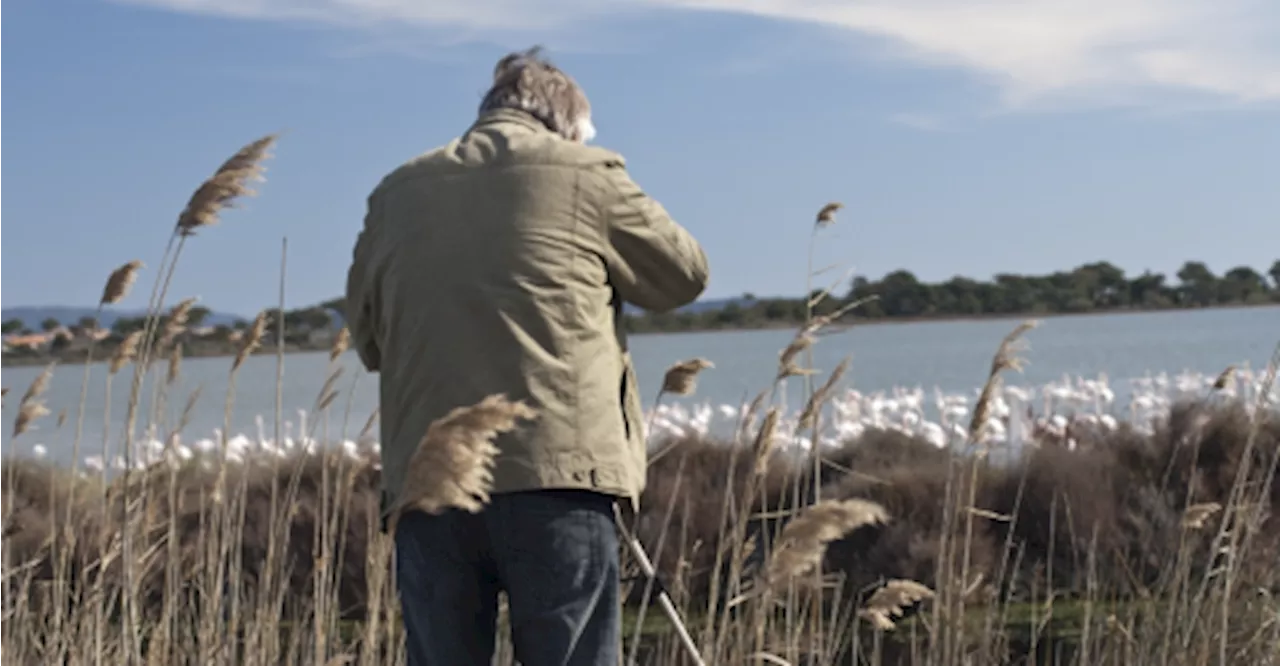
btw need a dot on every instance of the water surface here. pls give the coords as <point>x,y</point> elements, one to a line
<point>951,356</point>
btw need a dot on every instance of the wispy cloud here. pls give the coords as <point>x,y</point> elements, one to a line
<point>1035,53</point>
<point>476,16</point>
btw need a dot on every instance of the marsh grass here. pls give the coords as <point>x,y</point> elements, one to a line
<point>1155,548</point>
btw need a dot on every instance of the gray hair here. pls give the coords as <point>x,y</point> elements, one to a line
<point>528,82</point>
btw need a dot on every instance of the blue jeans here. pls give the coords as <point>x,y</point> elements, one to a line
<point>554,552</point>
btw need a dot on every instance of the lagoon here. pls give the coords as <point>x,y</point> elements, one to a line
<point>946,357</point>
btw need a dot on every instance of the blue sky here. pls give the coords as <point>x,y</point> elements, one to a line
<point>964,138</point>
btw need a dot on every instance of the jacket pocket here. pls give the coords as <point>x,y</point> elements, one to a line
<point>628,400</point>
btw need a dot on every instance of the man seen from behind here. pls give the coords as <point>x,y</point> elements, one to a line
<point>499,263</point>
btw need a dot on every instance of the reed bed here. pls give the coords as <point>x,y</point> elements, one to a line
<point>1136,542</point>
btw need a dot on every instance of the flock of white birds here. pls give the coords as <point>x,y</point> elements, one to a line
<point>1019,414</point>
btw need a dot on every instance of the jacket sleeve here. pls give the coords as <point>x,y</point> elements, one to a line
<point>362,300</point>
<point>653,262</point>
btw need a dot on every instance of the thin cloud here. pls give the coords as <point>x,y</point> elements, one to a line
<point>1035,53</point>
<point>478,16</point>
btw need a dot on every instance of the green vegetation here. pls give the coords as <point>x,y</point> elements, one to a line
<point>1096,287</point>
<point>306,329</point>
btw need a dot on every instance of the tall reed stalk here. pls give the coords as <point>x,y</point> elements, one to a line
<point>852,555</point>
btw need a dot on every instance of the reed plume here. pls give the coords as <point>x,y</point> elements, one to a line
<point>819,322</point>
<point>27,414</point>
<point>125,352</point>
<point>227,184</point>
<point>888,602</point>
<point>1222,379</point>
<point>176,323</point>
<point>453,464</point>
<point>40,384</point>
<point>682,378</point>
<point>749,414</point>
<point>119,283</point>
<point>32,407</point>
<point>765,441</point>
<point>341,342</point>
<point>814,405</point>
<point>787,366</point>
<point>1004,360</point>
<point>1196,515</point>
<point>804,540</point>
<point>827,215</point>
<point>250,340</point>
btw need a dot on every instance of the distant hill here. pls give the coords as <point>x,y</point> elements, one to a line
<point>32,315</point>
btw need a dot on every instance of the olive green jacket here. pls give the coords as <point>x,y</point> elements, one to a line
<point>499,263</point>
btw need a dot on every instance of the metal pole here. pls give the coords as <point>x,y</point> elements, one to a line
<point>664,600</point>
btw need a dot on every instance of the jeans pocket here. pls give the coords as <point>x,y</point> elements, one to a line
<point>547,531</point>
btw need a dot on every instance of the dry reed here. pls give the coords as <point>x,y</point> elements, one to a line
<point>1225,376</point>
<point>887,603</point>
<point>228,183</point>
<point>809,414</point>
<point>804,540</point>
<point>28,413</point>
<point>787,366</point>
<point>125,352</point>
<point>682,378</point>
<point>250,340</point>
<point>40,384</point>
<point>176,322</point>
<point>1196,516</point>
<point>119,283</point>
<point>827,215</point>
<point>247,579</point>
<point>453,464</point>
<point>766,440</point>
<point>341,342</point>
<point>1003,361</point>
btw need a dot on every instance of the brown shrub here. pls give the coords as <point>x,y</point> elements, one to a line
<point>1121,496</point>
<point>692,484</point>
<point>909,545</point>
<point>37,497</point>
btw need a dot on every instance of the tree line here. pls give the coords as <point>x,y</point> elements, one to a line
<point>308,318</point>
<point>308,328</point>
<point>1094,287</point>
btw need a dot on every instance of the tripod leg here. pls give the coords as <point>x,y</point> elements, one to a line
<point>664,600</point>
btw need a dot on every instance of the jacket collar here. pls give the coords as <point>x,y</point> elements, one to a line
<point>516,116</point>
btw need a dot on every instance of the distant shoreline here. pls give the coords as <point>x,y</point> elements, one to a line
<point>854,322</point>
<point>212,351</point>
<point>204,351</point>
